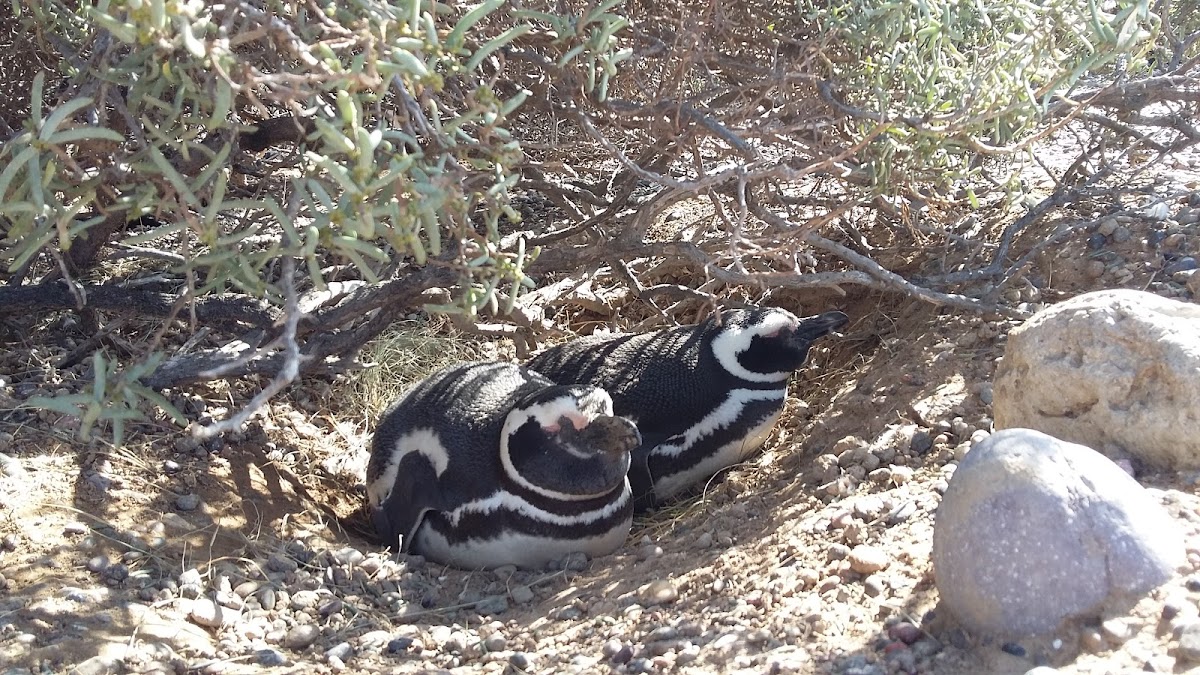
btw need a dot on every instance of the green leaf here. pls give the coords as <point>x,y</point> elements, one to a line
<point>24,157</point>
<point>455,39</point>
<point>60,115</point>
<point>496,43</point>
<point>173,176</point>
<point>85,134</point>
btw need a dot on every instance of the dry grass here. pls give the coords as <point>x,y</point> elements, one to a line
<point>401,357</point>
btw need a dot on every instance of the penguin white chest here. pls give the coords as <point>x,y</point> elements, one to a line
<point>707,458</point>
<point>514,548</point>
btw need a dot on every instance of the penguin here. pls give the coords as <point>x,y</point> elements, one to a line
<point>486,464</point>
<point>704,397</point>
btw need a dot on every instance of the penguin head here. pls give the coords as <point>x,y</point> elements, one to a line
<point>563,442</point>
<point>768,344</point>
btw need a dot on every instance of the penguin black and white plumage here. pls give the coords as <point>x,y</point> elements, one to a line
<point>704,397</point>
<point>487,464</point>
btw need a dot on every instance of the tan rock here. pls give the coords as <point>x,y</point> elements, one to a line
<point>1116,370</point>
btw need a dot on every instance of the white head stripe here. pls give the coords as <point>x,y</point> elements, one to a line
<point>546,414</point>
<point>733,340</point>
<point>423,441</point>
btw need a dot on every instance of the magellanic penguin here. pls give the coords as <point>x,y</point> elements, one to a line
<point>704,397</point>
<point>489,464</point>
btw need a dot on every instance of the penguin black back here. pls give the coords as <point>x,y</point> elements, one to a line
<point>700,395</point>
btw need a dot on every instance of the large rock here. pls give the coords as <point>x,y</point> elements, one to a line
<point>1116,370</point>
<point>1033,530</point>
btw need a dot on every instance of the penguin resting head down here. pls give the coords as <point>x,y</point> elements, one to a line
<point>490,464</point>
<point>704,397</point>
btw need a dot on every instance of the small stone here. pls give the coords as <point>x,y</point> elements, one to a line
<point>519,660</point>
<point>301,637</point>
<point>873,586</point>
<point>270,657</point>
<point>492,604</point>
<point>621,654</point>
<point>74,529</point>
<point>922,442</point>
<point>1013,648</point>
<point>1184,264</point>
<point>1122,235</point>
<point>659,592</point>
<point>188,502</point>
<point>398,645</point>
<point>926,647</point>
<point>905,632</point>
<point>1094,269</point>
<point>341,651</point>
<point>521,594</point>
<point>1042,670</point>
<point>171,466</point>
<point>866,559</point>
<point>640,665</point>
<point>1116,630</point>
<point>1189,642</point>
<point>267,598</point>
<point>98,564</point>
<point>246,589</point>
<point>837,552</point>
<point>1092,641</point>
<point>1107,227</point>
<point>705,540</point>
<point>209,614</point>
<point>495,643</point>
<point>281,563</point>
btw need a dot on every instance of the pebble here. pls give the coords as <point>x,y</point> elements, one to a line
<point>1094,269</point>
<point>98,564</point>
<point>270,657</point>
<point>492,604</point>
<point>873,586</point>
<point>617,651</point>
<point>188,502</point>
<point>1042,670</point>
<point>1013,648</point>
<point>926,647</point>
<point>1184,264</point>
<point>705,540</point>
<point>341,651</point>
<point>495,643</point>
<point>1107,227</point>
<point>1116,630</point>
<point>399,644</point>
<point>300,637</point>
<point>11,467</point>
<point>866,559</point>
<point>1092,641</point>
<point>209,614</point>
<point>905,632</point>
<point>659,592</point>
<point>1189,642</point>
<point>519,660</point>
<point>922,442</point>
<point>521,594</point>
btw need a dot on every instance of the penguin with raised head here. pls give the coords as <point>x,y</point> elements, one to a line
<point>490,464</point>
<point>704,397</point>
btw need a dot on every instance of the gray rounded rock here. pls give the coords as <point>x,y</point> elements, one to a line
<point>1033,530</point>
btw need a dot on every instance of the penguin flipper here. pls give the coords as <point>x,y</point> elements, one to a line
<point>641,480</point>
<point>415,493</point>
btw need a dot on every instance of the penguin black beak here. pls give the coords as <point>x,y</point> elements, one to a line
<point>812,328</point>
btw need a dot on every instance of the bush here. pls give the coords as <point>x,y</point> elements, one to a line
<point>273,184</point>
